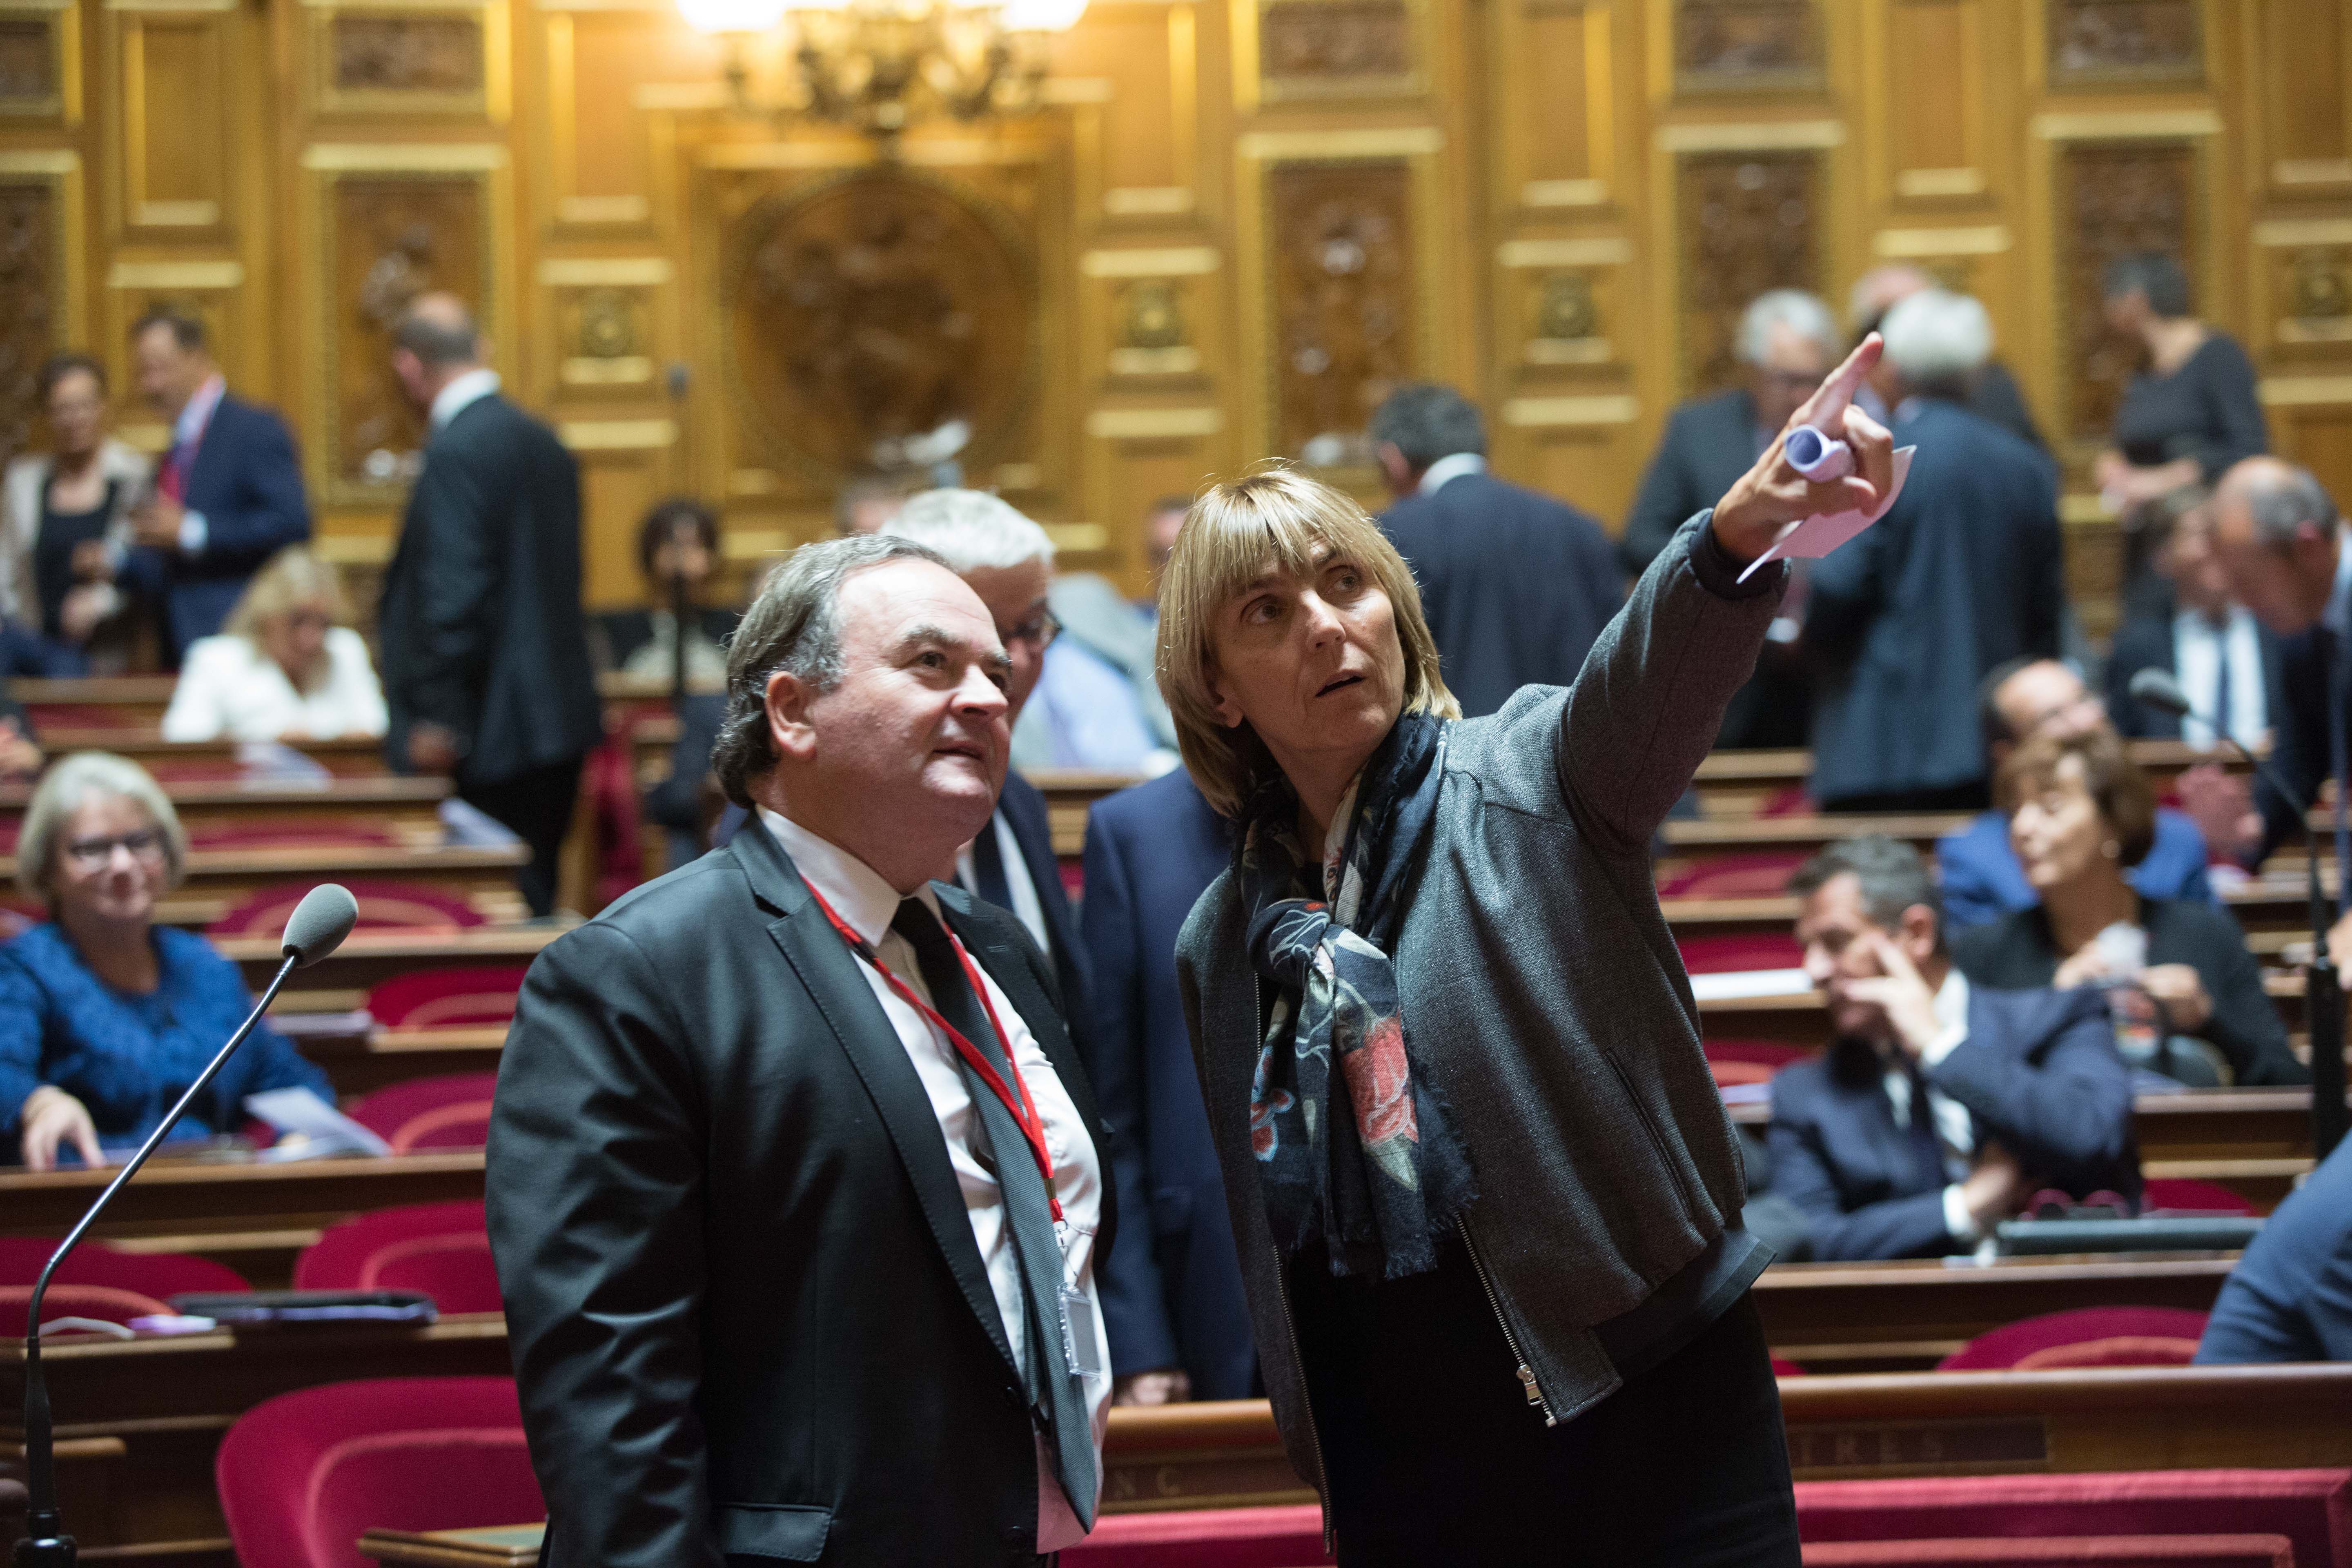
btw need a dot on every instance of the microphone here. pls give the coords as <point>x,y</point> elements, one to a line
<point>318,926</point>
<point>2323,998</point>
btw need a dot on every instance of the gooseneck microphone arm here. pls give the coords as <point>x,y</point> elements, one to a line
<point>2322,999</point>
<point>318,927</point>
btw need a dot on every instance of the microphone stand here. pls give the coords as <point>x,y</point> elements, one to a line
<point>45,1544</point>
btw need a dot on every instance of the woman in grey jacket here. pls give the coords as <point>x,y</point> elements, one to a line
<point>1483,1189</point>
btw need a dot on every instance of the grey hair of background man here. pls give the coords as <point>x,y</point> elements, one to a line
<point>1937,339</point>
<point>1893,878</point>
<point>971,530</point>
<point>437,341</point>
<point>1425,421</point>
<point>1803,314</point>
<point>794,627</point>
<point>2280,502</point>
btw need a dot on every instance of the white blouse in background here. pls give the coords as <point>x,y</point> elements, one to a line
<point>230,689</point>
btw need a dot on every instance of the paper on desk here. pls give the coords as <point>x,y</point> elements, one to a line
<point>325,1130</point>
<point>1810,538</point>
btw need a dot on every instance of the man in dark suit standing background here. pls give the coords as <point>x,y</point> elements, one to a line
<point>2227,661</point>
<point>1787,340</point>
<point>486,668</point>
<point>795,1186</point>
<point>1180,1325</point>
<point>227,494</point>
<point>1514,584</point>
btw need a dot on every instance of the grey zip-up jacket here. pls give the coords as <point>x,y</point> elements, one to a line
<point>1542,992</point>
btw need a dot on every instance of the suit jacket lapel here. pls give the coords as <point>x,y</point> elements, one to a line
<point>831,974</point>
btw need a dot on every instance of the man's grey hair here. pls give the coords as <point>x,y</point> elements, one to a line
<point>1937,339</point>
<point>2281,504</point>
<point>794,627</point>
<point>1803,314</point>
<point>972,531</point>
<point>436,342</point>
<point>1893,878</point>
<point>1425,422</point>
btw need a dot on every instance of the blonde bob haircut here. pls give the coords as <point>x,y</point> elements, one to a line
<point>62,791</point>
<point>288,581</point>
<point>1275,520</point>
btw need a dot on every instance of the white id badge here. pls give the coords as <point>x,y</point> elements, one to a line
<point>1081,1345</point>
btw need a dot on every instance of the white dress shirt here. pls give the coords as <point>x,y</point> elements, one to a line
<point>869,904</point>
<point>1446,470</point>
<point>458,396</point>
<point>1017,880</point>
<point>230,689</point>
<point>1955,1128</point>
<point>2197,644</point>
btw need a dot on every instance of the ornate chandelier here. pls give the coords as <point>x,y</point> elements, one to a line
<point>880,64</point>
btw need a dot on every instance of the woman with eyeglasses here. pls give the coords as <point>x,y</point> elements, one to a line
<point>285,667</point>
<point>105,1016</point>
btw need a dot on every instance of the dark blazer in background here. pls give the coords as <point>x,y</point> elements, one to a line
<point>1514,584</point>
<point>1993,394</point>
<point>1707,444</point>
<point>480,623</point>
<point>1904,623</point>
<point>615,634</point>
<point>2290,1296</point>
<point>2018,952</point>
<point>1024,808</point>
<point>1172,1293</point>
<point>2039,1075</point>
<point>2299,739</point>
<point>248,484</point>
<point>748,1316</point>
<point>2144,642</point>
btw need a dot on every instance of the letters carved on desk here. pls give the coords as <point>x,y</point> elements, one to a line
<point>1344,302</point>
<point>407,54</point>
<point>2093,41</point>
<point>2113,200</point>
<point>1916,1447</point>
<point>1745,222</point>
<point>29,285</point>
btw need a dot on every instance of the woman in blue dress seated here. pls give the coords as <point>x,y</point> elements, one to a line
<point>105,1016</point>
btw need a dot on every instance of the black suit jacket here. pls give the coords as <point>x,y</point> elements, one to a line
<point>2144,642</point>
<point>1022,806</point>
<point>481,622</point>
<point>2299,731</point>
<point>748,1317</point>
<point>248,484</point>
<point>1905,620</point>
<point>1514,586</point>
<point>1172,1292</point>
<point>2039,1075</point>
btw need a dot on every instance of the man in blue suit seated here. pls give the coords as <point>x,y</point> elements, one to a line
<point>228,493</point>
<point>1981,878</point>
<point>1171,1288</point>
<point>1938,1108</point>
<point>2290,1296</point>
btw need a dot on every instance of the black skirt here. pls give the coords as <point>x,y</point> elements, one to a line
<point>1432,1453</point>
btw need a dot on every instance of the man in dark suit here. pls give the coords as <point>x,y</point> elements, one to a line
<point>2290,1296</point>
<point>1992,391</point>
<point>795,1183</point>
<point>1787,341</point>
<point>486,668</point>
<point>2227,661</point>
<point>227,495</point>
<point>1514,586</point>
<point>1904,623</point>
<point>1938,1108</point>
<point>1008,561</point>
<point>1179,1326</point>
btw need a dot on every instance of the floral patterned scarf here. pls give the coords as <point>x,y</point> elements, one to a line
<point>1375,1169</point>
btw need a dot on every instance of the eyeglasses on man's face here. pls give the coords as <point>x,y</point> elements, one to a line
<point>1038,631</point>
<point>95,854</point>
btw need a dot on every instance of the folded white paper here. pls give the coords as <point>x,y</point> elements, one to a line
<point>325,1130</point>
<point>1810,538</point>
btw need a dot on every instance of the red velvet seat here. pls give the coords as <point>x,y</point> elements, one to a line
<point>297,832</point>
<point>2089,1336</point>
<point>441,1250</point>
<point>302,1475</point>
<point>1731,954</point>
<point>2062,1552</point>
<point>1286,1537</point>
<point>1751,1061</point>
<point>447,998</point>
<point>2187,1193</point>
<point>1761,874</point>
<point>383,906</point>
<point>157,1273</point>
<point>452,1111</point>
<point>106,1303</point>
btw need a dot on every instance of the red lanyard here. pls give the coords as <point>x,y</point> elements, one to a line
<point>1014,1098</point>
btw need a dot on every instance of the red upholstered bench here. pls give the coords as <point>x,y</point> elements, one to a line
<point>1763,874</point>
<point>1751,1061</point>
<point>442,1249</point>
<point>383,906</point>
<point>1288,1537</point>
<point>2062,1552</point>
<point>447,998</point>
<point>2088,1336</point>
<point>102,1303</point>
<point>1731,954</point>
<point>22,1257</point>
<point>452,1111</point>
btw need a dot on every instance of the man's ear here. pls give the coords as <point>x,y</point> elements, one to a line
<point>788,726</point>
<point>1918,934</point>
<point>1394,467</point>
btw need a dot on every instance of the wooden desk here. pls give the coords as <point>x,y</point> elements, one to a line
<point>348,756</point>
<point>1741,783</point>
<point>1798,1018</point>
<point>369,958</point>
<point>499,1546</point>
<point>361,1063</point>
<point>228,875</point>
<point>2274,906</point>
<point>410,807</point>
<point>2204,1124</point>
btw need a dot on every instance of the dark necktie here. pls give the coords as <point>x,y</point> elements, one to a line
<point>2332,647</point>
<point>2222,725</point>
<point>1058,1394</point>
<point>988,871</point>
<point>1927,1143</point>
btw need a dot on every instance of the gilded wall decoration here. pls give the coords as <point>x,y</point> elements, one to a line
<point>869,318</point>
<point>2316,294</point>
<point>407,54</point>
<point>2093,41</point>
<point>1747,45</point>
<point>1564,325</point>
<point>28,63</point>
<point>1310,45</point>
<point>394,238</point>
<point>29,304</point>
<point>1745,222</point>
<point>1155,330</point>
<point>2115,200</point>
<point>1343,301</point>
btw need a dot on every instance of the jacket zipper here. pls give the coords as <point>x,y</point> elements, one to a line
<point>1313,1436</point>
<point>1527,1373</point>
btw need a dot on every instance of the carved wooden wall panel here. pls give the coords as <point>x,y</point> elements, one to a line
<point>30,324</point>
<point>1332,48</point>
<point>1340,261</point>
<point>410,62</point>
<point>1146,57</point>
<point>2094,43</point>
<point>1748,45</point>
<point>2115,200</point>
<point>31,70</point>
<point>1937,139</point>
<point>2303,107</point>
<point>602,174</point>
<point>1556,67</point>
<point>1745,222</point>
<point>177,140</point>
